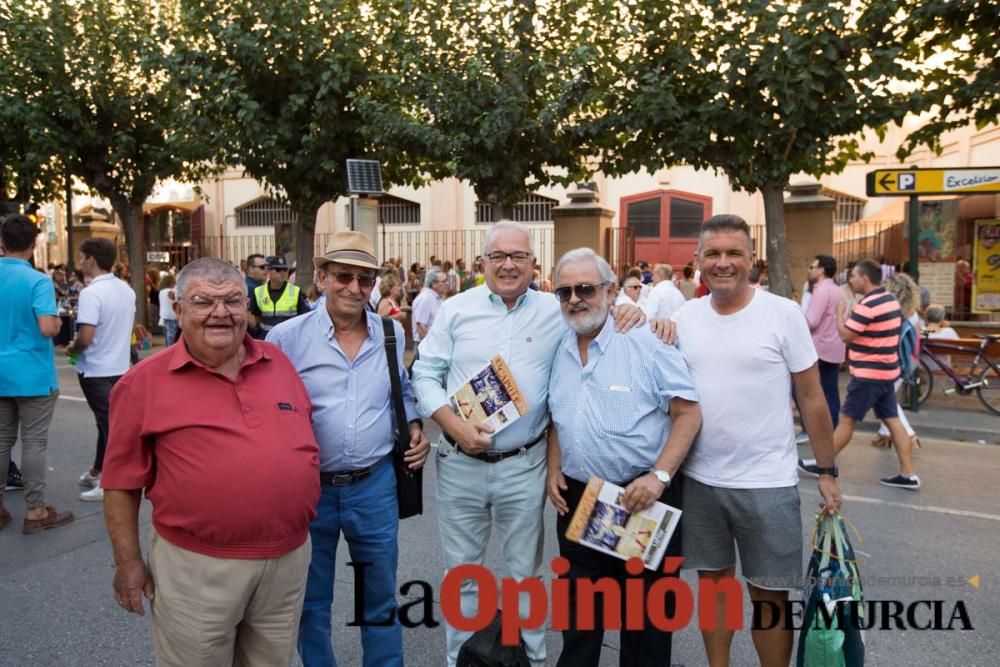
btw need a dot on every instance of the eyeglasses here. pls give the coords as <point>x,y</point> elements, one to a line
<point>258,266</point>
<point>234,303</point>
<point>632,287</point>
<point>583,291</point>
<point>518,257</point>
<point>346,278</point>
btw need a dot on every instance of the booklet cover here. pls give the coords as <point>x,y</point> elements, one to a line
<point>490,397</point>
<point>601,523</point>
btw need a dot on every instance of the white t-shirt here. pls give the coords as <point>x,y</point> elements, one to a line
<point>663,301</point>
<point>167,305</point>
<point>742,365</point>
<point>108,304</point>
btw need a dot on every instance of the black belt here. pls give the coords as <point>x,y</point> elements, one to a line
<point>345,478</point>
<point>491,456</point>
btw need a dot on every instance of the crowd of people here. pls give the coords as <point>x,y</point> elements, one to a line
<point>264,433</point>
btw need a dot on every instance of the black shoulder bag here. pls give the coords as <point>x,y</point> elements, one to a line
<point>409,483</point>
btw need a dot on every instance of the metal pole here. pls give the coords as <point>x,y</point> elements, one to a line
<point>354,210</point>
<point>914,228</point>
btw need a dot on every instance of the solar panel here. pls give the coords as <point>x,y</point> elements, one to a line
<point>364,177</point>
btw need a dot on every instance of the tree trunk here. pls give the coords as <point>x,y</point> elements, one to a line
<point>502,211</point>
<point>778,278</point>
<point>131,217</point>
<point>305,235</point>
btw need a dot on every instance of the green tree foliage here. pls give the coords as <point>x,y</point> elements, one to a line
<point>956,41</point>
<point>758,90</point>
<point>98,93</point>
<point>489,91</point>
<point>275,85</point>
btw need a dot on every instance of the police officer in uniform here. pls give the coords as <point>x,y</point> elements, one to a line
<point>276,300</point>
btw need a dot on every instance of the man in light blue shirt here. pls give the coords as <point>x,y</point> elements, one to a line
<point>339,352</point>
<point>28,383</point>
<point>483,480</point>
<point>623,409</point>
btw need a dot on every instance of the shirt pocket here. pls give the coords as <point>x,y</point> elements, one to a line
<point>617,408</point>
<point>297,428</point>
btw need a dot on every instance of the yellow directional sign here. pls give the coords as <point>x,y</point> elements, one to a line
<point>974,580</point>
<point>912,182</point>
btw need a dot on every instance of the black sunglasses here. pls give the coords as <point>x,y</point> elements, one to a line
<point>346,278</point>
<point>583,290</point>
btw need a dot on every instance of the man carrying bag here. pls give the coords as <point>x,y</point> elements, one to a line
<point>367,450</point>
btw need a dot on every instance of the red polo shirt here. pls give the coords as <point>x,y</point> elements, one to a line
<point>231,467</point>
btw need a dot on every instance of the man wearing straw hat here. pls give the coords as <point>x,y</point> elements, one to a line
<point>339,351</point>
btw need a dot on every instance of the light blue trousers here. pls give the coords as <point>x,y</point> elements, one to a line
<point>472,497</point>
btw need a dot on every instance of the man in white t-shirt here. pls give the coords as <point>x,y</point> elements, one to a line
<point>664,298</point>
<point>104,320</point>
<point>427,303</point>
<point>747,349</point>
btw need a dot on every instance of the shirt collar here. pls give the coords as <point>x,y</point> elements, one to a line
<point>181,357</point>
<point>497,300</point>
<point>326,324</point>
<point>16,260</point>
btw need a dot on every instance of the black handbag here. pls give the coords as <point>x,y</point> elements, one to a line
<point>409,483</point>
<point>484,649</point>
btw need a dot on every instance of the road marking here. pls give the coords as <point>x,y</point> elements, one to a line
<point>920,508</point>
<point>73,398</point>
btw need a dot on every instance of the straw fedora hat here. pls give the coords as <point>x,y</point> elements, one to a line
<point>353,248</point>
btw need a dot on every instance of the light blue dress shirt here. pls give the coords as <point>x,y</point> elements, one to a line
<point>352,414</point>
<point>612,415</point>
<point>473,327</point>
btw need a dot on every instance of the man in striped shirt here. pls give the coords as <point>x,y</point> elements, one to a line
<point>871,332</point>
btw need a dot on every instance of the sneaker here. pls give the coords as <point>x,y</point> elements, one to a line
<point>801,438</point>
<point>901,482</point>
<point>809,467</point>
<point>15,482</point>
<point>96,495</point>
<point>86,479</point>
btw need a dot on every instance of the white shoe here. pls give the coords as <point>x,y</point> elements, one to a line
<point>801,438</point>
<point>86,479</point>
<point>96,495</point>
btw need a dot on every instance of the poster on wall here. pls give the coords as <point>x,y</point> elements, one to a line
<point>986,267</point>
<point>937,227</point>
<point>939,279</point>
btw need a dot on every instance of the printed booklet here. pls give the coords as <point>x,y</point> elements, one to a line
<point>601,523</point>
<point>490,397</point>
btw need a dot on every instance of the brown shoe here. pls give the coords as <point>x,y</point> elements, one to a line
<point>53,518</point>
<point>4,517</point>
<point>881,441</point>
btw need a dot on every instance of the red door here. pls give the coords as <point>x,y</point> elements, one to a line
<point>666,224</point>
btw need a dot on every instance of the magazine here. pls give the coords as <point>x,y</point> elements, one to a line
<point>490,397</point>
<point>601,523</point>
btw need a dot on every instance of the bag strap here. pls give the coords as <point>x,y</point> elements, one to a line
<point>402,425</point>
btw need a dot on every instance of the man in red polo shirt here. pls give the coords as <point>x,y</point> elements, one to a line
<point>202,427</point>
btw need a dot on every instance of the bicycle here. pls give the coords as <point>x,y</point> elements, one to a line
<point>985,380</point>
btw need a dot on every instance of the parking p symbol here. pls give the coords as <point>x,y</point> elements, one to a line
<point>907,181</point>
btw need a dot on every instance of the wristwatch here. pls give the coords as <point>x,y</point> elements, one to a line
<point>661,475</point>
<point>833,471</point>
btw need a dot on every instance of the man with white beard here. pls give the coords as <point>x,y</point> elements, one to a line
<point>623,409</point>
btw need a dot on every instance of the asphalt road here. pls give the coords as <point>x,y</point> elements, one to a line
<point>56,606</point>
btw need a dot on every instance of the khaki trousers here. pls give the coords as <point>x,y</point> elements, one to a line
<point>225,611</point>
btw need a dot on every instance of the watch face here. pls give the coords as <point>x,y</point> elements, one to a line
<point>662,476</point>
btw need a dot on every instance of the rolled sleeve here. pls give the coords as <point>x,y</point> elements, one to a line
<point>431,368</point>
<point>673,376</point>
<point>128,462</point>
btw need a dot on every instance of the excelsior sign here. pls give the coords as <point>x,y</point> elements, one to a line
<point>911,182</point>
